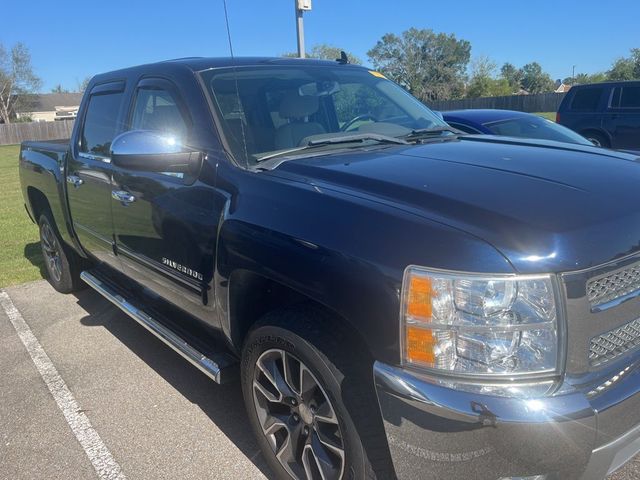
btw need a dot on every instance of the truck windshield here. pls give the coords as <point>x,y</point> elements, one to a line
<point>269,110</point>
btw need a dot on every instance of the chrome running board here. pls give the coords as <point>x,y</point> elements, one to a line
<point>210,367</point>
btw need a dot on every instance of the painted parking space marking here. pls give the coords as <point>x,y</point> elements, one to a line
<point>103,462</point>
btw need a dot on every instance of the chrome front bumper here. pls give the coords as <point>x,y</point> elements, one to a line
<point>435,432</point>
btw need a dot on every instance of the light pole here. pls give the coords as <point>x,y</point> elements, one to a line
<point>573,76</point>
<point>301,6</point>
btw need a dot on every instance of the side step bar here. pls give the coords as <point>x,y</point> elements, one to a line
<point>210,367</point>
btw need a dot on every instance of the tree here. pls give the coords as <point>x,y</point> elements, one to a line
<point>82,86</point>
<point>626,68</point>
<point>59,89</point>
<point>512,75</point>
<point>584,78</point>
<point>430,65</point>
<point>329,52</point>
<point>536,80</point>
<point>483,82</point>
<point>17,79</point>
<point>324,51</point>
<point>597,77</point>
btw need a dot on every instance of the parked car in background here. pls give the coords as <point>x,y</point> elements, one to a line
<point>510,123</point>
<point>606,113</point>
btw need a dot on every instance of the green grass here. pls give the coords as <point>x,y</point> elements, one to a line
<point>548,115</point>
<point>20,255</point>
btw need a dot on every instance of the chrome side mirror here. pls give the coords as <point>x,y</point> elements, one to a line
<point>151,151</point>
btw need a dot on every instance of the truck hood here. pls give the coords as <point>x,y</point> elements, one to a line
<point>546,206</point>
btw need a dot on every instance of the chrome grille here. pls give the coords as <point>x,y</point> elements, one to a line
<point>613,286</point>
<point>614,343</point>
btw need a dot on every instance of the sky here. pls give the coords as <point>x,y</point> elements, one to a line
<point>70,39</point>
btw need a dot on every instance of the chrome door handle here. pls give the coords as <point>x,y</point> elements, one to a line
<point>74,180</point>
<point>124,197</point>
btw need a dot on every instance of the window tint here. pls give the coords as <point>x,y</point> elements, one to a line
<point>535,127</point>
<point>359,100</point>
<point>464,128</point>
<point>100,123</point>
<point>630,97</point>
<point>615,98</point>
<point>586,99</point>
<point>263,110</point>
<point>158,110</point>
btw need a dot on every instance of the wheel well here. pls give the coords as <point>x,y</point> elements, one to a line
<point>251,296</point>
<point>38,201</point>
<point>597,132</point>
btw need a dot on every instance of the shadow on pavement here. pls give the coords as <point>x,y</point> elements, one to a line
<point>223,404</point>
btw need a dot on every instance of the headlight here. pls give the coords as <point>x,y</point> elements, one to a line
<point>480,325</point>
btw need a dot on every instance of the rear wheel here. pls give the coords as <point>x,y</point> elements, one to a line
<point>598,139</point>
<point>63,265</point>
<point>311,401</point>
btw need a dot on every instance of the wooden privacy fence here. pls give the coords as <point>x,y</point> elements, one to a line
<point>540,102</point>
<point>19,132</point>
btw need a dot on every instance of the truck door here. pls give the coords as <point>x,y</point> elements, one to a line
<point>167,223</point>
<point>624,117</point>
<point>89,172</point>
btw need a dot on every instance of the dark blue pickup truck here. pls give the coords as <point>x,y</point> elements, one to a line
<point>397,298</point>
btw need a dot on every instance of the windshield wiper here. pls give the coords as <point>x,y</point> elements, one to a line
<point>338,140</point>
<point>430,132</point>
<point>357,137</point>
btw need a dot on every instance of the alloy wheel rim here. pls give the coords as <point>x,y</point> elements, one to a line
<point>50,248</point>
<point>297,417</point>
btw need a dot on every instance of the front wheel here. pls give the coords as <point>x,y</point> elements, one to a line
<point>311,401</point>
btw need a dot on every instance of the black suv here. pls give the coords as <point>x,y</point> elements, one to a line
<point>608,114</point>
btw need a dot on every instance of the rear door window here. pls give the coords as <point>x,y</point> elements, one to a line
<point>157,110</point>
<point>100,123</point>
<point>586,99</point>
<point>630,97</point>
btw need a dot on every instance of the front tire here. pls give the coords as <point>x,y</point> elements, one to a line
<point>311,401</point>
<point>63,266</point>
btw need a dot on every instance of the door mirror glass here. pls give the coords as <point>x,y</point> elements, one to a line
<point>150,151</point>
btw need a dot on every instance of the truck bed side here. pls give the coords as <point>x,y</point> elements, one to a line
<point>42,174</point>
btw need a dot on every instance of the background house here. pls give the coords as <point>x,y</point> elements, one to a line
<point>48,107</point>
<point>562,87</point>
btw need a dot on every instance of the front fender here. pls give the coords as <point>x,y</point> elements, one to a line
<point>342,251</point>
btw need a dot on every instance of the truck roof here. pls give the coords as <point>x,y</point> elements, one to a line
<point>203,63</point>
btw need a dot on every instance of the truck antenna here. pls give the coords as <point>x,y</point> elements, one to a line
<point>344,59</point>
<point>235,77</point>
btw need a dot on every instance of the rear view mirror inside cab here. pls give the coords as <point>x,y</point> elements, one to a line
<point>319,89</point>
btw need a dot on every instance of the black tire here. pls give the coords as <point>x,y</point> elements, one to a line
<point>597,139</point>
<point>63,265</point>
<point>343,373</point>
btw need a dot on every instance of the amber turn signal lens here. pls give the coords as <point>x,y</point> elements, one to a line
<point>419,299</point>
<point>420,343</point>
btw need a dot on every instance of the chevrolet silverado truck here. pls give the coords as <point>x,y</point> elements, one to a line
<point>396,298</point>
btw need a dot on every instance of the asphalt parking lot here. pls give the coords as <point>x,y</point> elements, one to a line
<point>153,414</point>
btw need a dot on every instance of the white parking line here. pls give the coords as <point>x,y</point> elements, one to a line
<point>105,465</point>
